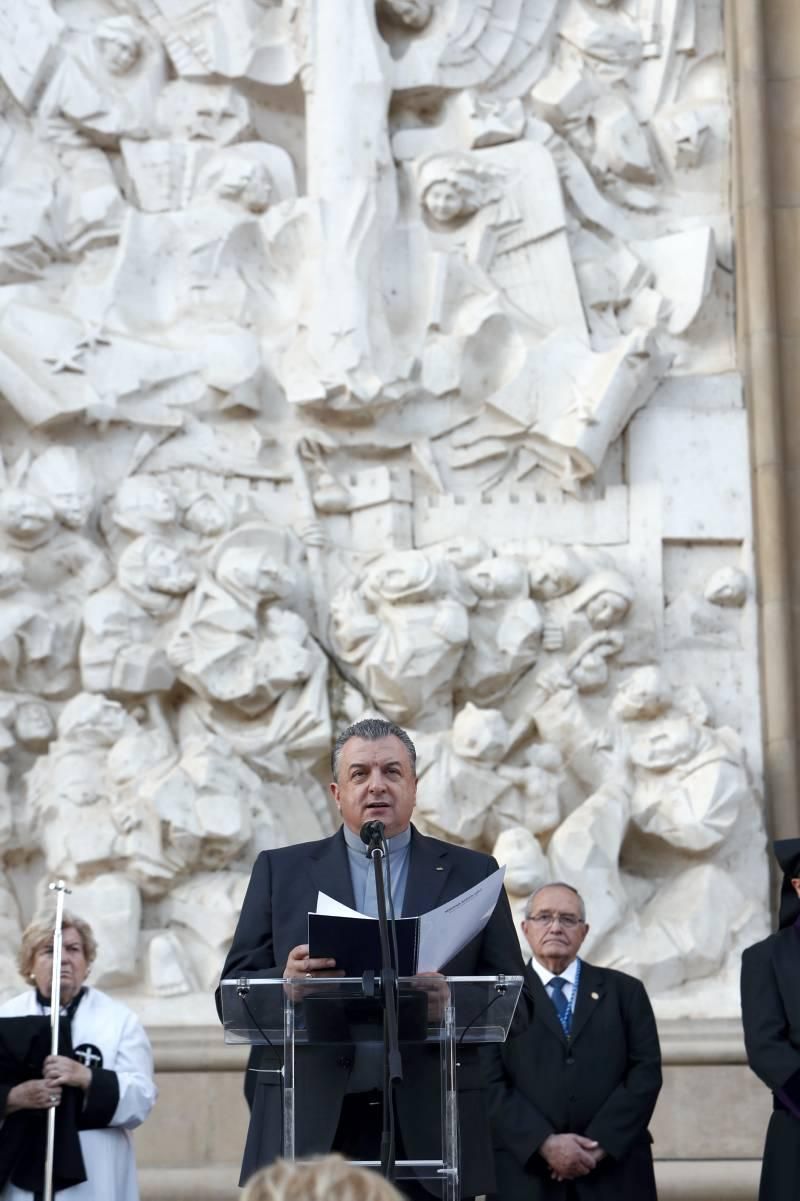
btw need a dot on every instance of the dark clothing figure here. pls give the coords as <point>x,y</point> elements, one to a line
<point>770,986</point>
<point>283,889</point>
<point>602,1082</point>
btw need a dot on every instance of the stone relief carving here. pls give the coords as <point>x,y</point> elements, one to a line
<point>332,342</point>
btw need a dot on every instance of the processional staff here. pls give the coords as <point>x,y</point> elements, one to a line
<point>59,888</point>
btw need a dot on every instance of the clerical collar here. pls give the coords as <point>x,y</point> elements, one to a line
<point>68,1010</point>
<point>395,844</point>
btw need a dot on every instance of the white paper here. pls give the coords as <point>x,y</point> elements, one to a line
<point>443,932</point>
<point>333,908</point>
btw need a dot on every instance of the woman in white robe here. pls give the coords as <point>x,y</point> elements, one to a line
<point>112,1063</point>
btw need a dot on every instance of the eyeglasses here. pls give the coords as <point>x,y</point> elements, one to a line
<point>568,920</point>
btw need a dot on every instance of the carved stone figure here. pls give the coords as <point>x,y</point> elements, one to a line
<point>323,328</point>
<point>502,210</point>
<point>107,88</point>
<point>233,643</point>
<point>123,647</point>
<point>505,628</point>
<point>403,632</point>
<point>690,783</point>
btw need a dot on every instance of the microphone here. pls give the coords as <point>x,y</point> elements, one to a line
<point>372,834</point>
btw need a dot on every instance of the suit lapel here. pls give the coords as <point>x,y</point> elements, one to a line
<point>591,990</point>
<point>543,1008</point>
<point>786,958</point>
<point>429,868</point>
<point>330,871</point>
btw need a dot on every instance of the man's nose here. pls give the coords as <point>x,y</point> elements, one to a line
<point>376,782</point>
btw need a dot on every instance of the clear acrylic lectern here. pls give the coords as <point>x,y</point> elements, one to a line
<point>448,1011</point>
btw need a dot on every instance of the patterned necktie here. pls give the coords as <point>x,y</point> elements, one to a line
<point>560,1001</point>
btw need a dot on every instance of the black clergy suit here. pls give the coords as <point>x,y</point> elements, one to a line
<point>602,1082</point>
<point>283,889</point>
<point>771,1017</point>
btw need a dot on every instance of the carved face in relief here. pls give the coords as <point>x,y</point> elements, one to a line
<point>480,734</point>
<point>205,516</point>
<point>446,201</point>
<point>246,183</point>
<point>33,722</point>
<point>606,609</point>
<point>120,46</point>
<point>247,569</point>
<point>24,515</point>
<point>726,587</point>
<point>643,695</point>
<point>667,744</point>
<point>166,569</point>
<point>142,502</point>
<point>414,14</point>
<point>590,673</point>
<point>497,578</point>
<point>555,573</point>
<point>92,720</point>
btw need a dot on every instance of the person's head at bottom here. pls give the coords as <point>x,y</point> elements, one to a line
<point>318,1180</point>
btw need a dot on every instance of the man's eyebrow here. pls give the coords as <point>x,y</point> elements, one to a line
<point>387,763</point>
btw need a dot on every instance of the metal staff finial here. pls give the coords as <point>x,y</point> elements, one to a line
<point>59,888</point>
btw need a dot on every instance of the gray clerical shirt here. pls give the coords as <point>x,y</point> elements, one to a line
<point>362,873</point>
<point>367,1071</point>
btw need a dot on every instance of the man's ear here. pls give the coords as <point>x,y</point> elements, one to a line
<point>334,787</point>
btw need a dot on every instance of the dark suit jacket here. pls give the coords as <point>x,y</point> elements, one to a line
<point>771,1019</point>
<point>601,1082</point>
<point>282,891</point>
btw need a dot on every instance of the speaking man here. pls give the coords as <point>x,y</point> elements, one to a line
<point>571,1096</point>
<point>771,1018</point>
<point>374,777</point>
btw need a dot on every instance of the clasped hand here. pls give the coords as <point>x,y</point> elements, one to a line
<point>58,1071</point>
<point>570,1155</point>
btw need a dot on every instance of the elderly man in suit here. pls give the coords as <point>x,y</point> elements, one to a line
<point>374,769</point>
<point>572,1095</point>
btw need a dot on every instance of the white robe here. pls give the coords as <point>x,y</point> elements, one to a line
<point>107,1154</point>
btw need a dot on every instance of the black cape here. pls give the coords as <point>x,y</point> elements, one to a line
<point>24,1046</point>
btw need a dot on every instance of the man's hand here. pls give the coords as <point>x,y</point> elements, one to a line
<point>60,1070</point>
<point>569,1155</point>
<point>438,992</point>
<point>300,963</point>
<point>32,1094</point>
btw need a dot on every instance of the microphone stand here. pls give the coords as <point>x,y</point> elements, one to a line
<point>393,1062</point>
<point>59,888</point>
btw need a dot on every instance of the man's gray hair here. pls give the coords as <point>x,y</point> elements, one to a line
<point>554,884</point>
<point>372,728</point>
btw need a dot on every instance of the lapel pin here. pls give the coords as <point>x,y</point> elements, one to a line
<point>595,996</point>
<point>439,868</point>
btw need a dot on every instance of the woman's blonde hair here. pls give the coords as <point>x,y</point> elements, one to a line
<point>39,933</point>
<point>318,1180</point>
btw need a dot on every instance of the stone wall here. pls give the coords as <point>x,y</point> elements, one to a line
<point>375,358</point>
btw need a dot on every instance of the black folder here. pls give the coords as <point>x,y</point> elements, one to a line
<point>355,944</point>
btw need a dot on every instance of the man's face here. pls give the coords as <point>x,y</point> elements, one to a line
<point>375,781</point>
<point>554,943</point>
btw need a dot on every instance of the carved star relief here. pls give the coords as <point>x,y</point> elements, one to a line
<point>72,358</point>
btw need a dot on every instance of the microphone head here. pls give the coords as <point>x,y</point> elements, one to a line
<point>372,832</point>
